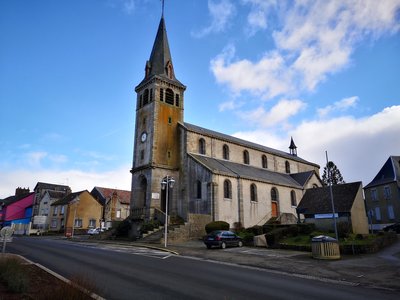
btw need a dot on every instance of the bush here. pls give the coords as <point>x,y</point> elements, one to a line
<point>216,225</point>
<point>149,226</point>
<point>248,237</point>
<point>255,230</point>
<point>123,228</point>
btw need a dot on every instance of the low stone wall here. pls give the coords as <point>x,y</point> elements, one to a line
<point>193,229</point>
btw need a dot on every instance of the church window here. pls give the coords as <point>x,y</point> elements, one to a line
<point>202,146</point>
<point>169,154</point>
<point>253,192</point>
<point>274,194</point>
<point>225,152</point>
<point>227,189</point>
<point>287,167</point>
<point>169,96</point>
<point>169,120</point>
<point>161,95</point>
<point>293,198</point>
<point>198,189</point>
<point>140,101</point>
<point>177,100</point>
<point>264,161</point>
<point>246,158</point>
<point>145,97</point>
<point>151,95</point>
<point>144,121</point>
<point>141,154</point>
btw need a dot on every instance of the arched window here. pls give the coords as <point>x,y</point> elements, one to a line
<point>264,161</point>
<point>225,152</point>
<point>161,95</point>
<point>253,192</point>
<point>145,97</point>
<point>293,198</point>
<point>177,100</point>
<point>274,195</point>
<point>314,186</point>
<point>169,96</point>
<point>287,167</point>
<point>227,189</point>
<point>246,158</point>
<point>151,95</point>
<point>202,146</point>
<point>198,189</point>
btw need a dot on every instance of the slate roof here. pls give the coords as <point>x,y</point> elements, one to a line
<point>67,199</point>
<point>302,177</point>
<point>390,172</point>
<point>244,143</point>
<point>56,194</point>
<point>318,201</point>
<point>106,193</point>
<point>228,168</point>
<point>50,186</point>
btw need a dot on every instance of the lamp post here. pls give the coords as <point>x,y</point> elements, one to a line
<point>166,184</point>
<point>76,202</point>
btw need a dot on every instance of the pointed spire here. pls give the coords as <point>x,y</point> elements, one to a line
<point>160,62</point>
<point>292,147</point>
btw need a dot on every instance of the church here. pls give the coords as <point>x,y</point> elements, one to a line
<point>214,175</point>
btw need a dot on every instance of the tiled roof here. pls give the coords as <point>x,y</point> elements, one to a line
<point>228,168</point>
<point>244,143</point>
<point>318,200</point>
<point>390,172</point>
<point>106,193</point>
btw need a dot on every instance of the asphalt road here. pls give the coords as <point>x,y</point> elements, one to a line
<point>138,273</point>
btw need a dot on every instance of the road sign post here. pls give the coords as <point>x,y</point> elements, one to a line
<point>5,236</point>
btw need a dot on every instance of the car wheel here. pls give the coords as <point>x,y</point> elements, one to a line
<point>223,245</point>
<point>240,244</point>
<point>208,246</point>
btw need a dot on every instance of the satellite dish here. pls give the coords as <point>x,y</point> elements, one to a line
<point>6,232</point>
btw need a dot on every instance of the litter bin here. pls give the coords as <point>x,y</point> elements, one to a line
<point>325,247</point>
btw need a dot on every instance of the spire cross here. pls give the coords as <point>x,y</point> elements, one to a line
<point>162,11</point>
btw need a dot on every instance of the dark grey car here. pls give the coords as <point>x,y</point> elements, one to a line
<point>222,239</point>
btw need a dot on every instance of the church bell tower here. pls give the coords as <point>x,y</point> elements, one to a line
<point>159,109</point>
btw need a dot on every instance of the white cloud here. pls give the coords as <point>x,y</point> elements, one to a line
<point>341,105</point>
<point>221,12</point>
<point>359,147</point>
<point>34,159</point>
<point>257,17</point>
<point>229,105</point>
<point>309,47</point>
<point>78,180</point>
<point>279,113</point>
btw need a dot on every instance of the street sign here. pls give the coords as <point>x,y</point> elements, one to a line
<point>5,236</point>
<point>39,220</point>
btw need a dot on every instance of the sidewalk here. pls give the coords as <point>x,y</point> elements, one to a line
<point>381,270</point>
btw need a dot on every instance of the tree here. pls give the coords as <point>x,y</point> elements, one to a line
<point>336,176</point>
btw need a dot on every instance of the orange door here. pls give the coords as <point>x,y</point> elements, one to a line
<point>274,209</point>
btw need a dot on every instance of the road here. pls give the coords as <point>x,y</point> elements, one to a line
<point>139,273</point>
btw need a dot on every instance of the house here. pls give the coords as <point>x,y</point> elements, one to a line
<point>217,176</point>
<point>40,190</point>
<point>115,202</point>
<point>17,209</point>
<point>316,207</point>
<point>382,195</point>
<point>49,197</point>
<point>76,212</point>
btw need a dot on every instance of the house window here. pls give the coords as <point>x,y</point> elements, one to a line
<point>253,192</point>
<point>227,189</point>
<point>287,167</point>
<point>264,161</point>
<point>62,210</point>
<point>387,192</point>
<point>391,212</point>
<point>225,152</point>
<point>374,195</point>
<point>246,158</point>
<point>53,223</point>
<point>118,214</point>
<point>92,223</point>
<point>198,189</point>
<point>293,198</point>
<point>161,95</point>
<point>202,146</point>
<point>177,100</point>
<point>169,96</point>
<point>377,213</point>
<point>78,223</point>
<point>55,212</point>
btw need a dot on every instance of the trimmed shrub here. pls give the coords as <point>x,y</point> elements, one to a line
<point>216,225</point>
<point>248,237</point>
<point>123,228</point>
<point>255,230</point>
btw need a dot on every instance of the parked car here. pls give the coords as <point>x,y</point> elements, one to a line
<point>394,227</point>
<point>222,239</point>
<point>93,231</point>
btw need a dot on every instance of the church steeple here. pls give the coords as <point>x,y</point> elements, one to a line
<point>292,147</point>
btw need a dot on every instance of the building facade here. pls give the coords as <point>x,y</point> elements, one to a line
<point>382,195</point>
<point>215,174</point>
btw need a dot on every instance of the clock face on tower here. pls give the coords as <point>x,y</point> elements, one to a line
<point>143,137</point>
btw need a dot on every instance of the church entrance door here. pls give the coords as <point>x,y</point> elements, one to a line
<point>274,209</point>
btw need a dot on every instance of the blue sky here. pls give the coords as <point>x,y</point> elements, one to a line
<point>325,72</point>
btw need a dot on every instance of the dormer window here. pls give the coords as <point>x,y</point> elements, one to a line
<point>169,70</point>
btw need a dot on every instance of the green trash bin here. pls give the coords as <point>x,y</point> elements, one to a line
<point>325,247</point>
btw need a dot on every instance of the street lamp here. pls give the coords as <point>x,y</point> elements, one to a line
<point>166,184</point>
<point>76,202</point>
